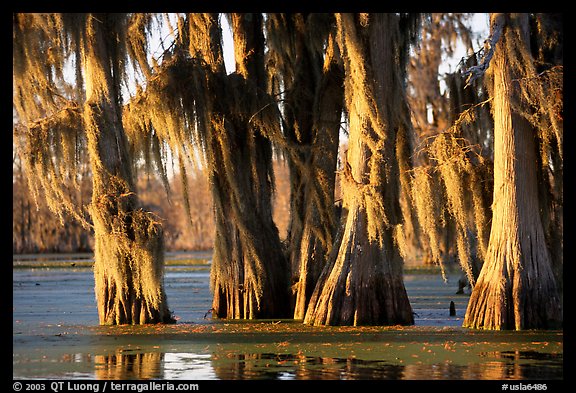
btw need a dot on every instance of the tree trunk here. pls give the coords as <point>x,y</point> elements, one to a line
<point>249,272</point>
<point>249,276</point>
<point>516,288</point>
<point>311,252</point>
<point>128,259</point>
<point>363,283</point>
<point>314,99</point>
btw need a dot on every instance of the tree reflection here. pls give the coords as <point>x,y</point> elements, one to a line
<point>123,365</point>
<point>298,366</point>
<point>233,365</point>
<point>493,365</point>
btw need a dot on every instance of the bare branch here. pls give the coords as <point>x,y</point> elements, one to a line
<point>477,71</point>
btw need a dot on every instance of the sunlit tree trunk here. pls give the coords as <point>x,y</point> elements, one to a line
<point>516,288</point>
<point>362,284</point>
<point>313,91</point>
<point>315,241</point>
<point>250,274</point>
<point>129,259</point>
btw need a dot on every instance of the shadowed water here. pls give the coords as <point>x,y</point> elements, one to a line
<point>56,335</point>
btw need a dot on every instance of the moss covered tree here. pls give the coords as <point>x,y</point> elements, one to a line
<point>250,274</point>
<point>192,104</point>
<point>362,283</point>
<point>305,69</point>
<point>450,190</point>
<point>58,123</point>
<point>517,287</point>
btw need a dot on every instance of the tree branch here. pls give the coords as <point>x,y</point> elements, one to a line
<point>474,72</point>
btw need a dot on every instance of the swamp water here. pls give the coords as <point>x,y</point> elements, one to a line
<point>56,335</point>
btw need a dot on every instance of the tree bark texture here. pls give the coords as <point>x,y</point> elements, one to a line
<point>250,274</point>
<point>516,288</point>
<point>128,258</point>
<point>314,100</point>
<point>362,284</point>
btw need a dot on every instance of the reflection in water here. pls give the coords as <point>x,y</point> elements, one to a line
<point>288,366</point>
<point>187,366</point>
<point>492,365</point>
<point>518,365</point>
<point>123,365</point>
<point>49,304</point>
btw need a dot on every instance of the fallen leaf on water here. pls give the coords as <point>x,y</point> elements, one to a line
<point>449,346</point>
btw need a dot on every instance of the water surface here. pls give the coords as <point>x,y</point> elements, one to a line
<point>56,335</point>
